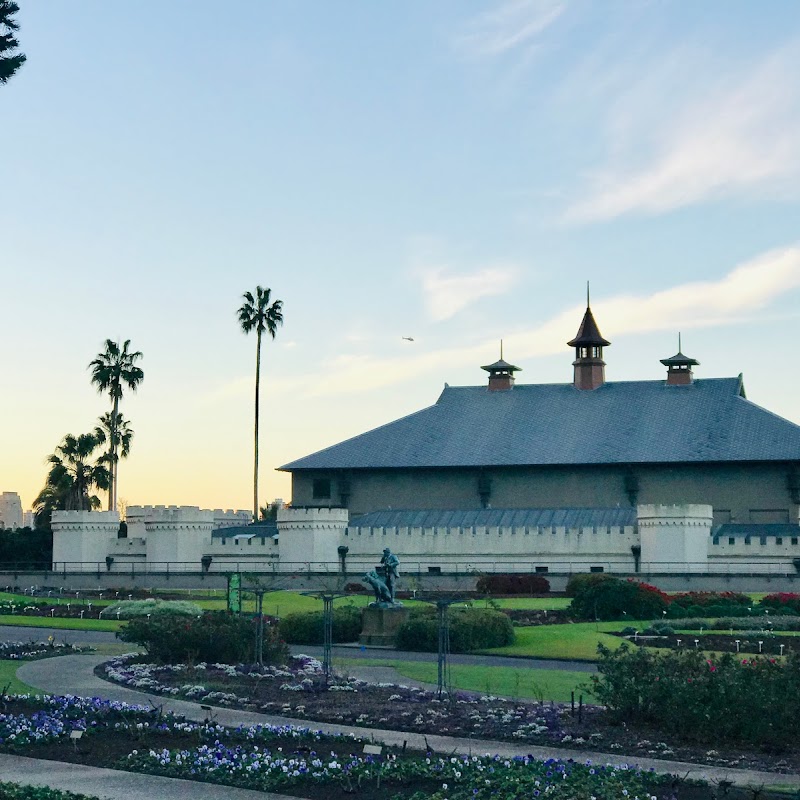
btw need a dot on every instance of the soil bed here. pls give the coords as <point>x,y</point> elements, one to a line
<point>770,645</point>
<point>301,693</point>
<point>143,740</point>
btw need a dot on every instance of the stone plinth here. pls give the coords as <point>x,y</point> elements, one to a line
<point>379,625</point>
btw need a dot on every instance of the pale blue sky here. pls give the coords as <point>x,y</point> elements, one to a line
<point>450,171</point>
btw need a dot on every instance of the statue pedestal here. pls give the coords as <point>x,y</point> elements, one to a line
<point>379,624</point>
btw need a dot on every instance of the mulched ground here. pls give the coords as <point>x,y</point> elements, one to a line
<point>392,708</point>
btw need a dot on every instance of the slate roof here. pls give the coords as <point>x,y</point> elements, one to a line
<point>498,517</point>
<point>756,529</point>
<point>627,422</point>
<point>251,531</point>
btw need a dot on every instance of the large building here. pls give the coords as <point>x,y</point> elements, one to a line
<point>678,476</point>
<point>588,444</point>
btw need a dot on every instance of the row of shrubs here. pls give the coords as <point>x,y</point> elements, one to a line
<point>599,596</point>
<point>727,699</point>
<point>469,628</point>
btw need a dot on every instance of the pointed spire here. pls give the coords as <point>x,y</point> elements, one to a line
<point>589,344</point>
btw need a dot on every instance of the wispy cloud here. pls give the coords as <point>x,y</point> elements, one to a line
<point>447,293</point>
<point>730,136</point>
<point>512,26</point>
<point>748,287</point>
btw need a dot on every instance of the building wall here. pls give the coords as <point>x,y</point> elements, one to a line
<point>10,511</point>
<point>738,493</point>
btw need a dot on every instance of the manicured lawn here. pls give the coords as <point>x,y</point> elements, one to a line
<point>8,678</point>
<point>62,623</point>
<point>525,684</point>
<point>577,641</point>
<point>527,603</point>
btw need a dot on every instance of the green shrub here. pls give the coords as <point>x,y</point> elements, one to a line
<point>705,599</point>
<point>513,583</point>
<point>615,599</point>
<point>15,791</point>
<point>215,636</point>
<point>583,580</point>
<point>781,603</point>
<point>752,700</point>
<point>128,609</point>
<point>470,629</point>
<point>308,627</point>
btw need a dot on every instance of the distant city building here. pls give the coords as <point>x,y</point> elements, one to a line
<point>10,511</point>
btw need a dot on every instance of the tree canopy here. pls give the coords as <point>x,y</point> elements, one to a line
<point>10,61</point>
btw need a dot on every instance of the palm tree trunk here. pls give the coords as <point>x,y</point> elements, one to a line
<point>112,489</point>
<point>255,448</point>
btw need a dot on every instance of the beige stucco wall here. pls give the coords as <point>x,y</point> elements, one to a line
<point>739,489</point>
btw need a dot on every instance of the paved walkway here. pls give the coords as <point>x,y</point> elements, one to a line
<point>75,675</point>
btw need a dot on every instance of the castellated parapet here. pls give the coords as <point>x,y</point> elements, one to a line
<point>675,538</point>
<point>231,518</point>
<point>311,535</point>
<point>82,539</point>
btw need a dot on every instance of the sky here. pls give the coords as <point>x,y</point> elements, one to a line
<point>449,171</point>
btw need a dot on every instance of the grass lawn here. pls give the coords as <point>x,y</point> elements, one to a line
<point>61,623</point>
<point>527,603</point>
<point>8,678</point>
<point>577,640</point>
<point>525,684</point>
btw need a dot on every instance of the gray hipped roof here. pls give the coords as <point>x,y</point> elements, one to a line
<point>629,422</point>
<point>499,518</point>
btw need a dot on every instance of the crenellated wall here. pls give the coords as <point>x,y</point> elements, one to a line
<point>504,548</point>
<point>666,539</point>
<point>83,538</point>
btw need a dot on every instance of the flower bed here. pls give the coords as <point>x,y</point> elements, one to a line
<point>298,691</point>
<point>296,760</point>
<point>26,651</point>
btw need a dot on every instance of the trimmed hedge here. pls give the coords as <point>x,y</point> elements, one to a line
<point>513,583</point>
<point>215,636</point>
<point>614,599</point>
<point>308,627</point>
<point>470,629</point>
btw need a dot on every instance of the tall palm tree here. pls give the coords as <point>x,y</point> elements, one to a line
<point>119,432</point>
<point>256,313</point>
<point>112,370</point>
<point>72,477</point>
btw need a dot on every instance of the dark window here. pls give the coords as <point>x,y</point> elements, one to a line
<point>794,540</point>
<point>322,489</point>
<point>731,540</point>
<point>763,540</point>
<point>435,570</point>
<point>595,569</point>
<point>747,540</point>
<point>715,540</point>
<point>779,540</point>
<point>543,569</point>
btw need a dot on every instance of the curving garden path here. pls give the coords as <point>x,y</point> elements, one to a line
<point>75,675</point>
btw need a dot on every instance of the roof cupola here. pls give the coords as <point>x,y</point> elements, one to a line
<point>679,368</point>
<point>588,343</point>
<point>501,374</point>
